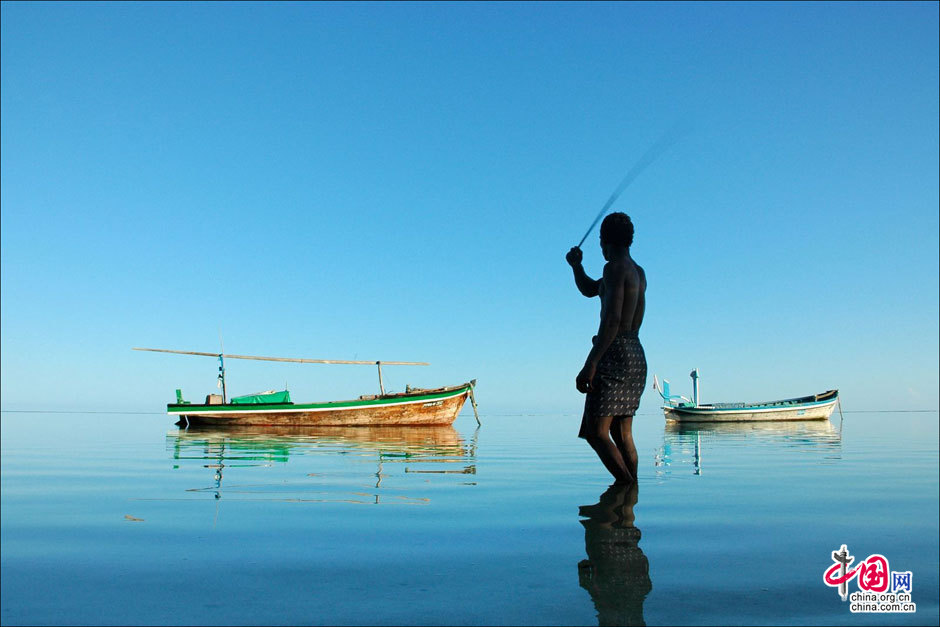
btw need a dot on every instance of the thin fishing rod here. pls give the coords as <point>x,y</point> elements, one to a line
<point>667,140</point>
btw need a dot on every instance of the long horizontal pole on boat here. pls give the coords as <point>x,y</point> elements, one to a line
<point>289,359</point>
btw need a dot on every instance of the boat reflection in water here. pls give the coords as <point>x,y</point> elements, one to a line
<point>322,464</point>
<point>689,442</point>
<point>616,572</point>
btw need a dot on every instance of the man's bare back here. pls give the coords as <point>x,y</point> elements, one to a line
<point>633,280</point>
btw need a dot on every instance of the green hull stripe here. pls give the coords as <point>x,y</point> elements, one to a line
<point>175,408</point>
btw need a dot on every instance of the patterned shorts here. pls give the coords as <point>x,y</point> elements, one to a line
<point>618,383</point>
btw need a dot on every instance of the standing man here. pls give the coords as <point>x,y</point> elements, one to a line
<point>614,375</point>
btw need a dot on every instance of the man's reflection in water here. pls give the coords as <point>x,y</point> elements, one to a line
<point>616,572</point>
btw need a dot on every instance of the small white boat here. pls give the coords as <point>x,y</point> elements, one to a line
<point>681,409</point>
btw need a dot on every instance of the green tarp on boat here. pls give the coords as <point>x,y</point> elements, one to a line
<point>261,398</point>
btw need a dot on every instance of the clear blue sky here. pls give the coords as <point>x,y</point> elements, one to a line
<point>402,181</point>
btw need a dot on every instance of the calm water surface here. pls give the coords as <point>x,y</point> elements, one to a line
<point>126,519</point>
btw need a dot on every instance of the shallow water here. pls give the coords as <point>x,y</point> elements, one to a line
<point>126,519</point>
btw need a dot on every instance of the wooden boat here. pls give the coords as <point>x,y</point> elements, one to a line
<point>681,409</point>
<point>415,407</point>
<point>437,406</point>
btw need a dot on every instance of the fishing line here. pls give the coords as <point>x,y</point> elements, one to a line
<point>665,142</point>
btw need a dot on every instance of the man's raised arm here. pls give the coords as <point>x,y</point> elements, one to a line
<point>586,285</point>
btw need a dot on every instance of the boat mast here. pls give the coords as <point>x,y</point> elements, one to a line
<point>694,375</point>
<point>222,377</point>
<point>381,386</point>
<point>222,365</point>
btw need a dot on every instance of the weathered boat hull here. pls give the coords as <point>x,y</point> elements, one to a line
<point>815,410</point>
<point>425,407</point>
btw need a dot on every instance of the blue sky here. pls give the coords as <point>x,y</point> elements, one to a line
<point>402,181</point>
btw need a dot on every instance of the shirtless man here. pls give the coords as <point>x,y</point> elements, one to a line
<point>614,375</point>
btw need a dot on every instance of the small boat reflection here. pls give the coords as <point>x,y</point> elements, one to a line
<point>685,442</point>
<point>616,573</point>
<point>224,449</point>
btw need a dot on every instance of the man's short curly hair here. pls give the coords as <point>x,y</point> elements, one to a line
<point>617,230</point>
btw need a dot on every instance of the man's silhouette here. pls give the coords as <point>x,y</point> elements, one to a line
<point>614,374</point>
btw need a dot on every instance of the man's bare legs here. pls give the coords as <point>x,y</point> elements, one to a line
<point>599,439</point>
<point>621,431</point>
